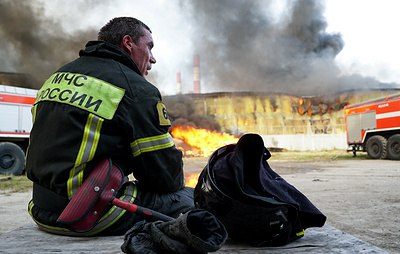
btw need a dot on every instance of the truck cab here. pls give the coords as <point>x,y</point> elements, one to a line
<point>15,127</point>
<point>373,126</point>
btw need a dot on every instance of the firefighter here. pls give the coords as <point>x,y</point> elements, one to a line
<point>101,106</point>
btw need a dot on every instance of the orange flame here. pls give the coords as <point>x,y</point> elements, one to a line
<point>191,179</point>
<point>204,140</point>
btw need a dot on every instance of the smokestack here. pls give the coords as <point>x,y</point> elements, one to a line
<point>178,83</point>
<point>196,74</point>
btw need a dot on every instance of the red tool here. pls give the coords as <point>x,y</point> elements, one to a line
<point>94,196</point>
<point>140,210</point>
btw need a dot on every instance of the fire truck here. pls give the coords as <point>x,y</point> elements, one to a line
<point>15,126</point>
<point>373,126</point>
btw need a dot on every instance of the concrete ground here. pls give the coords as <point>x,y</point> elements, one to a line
<point>359,197</point>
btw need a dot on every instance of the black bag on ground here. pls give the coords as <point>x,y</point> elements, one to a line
<point>255,204</point>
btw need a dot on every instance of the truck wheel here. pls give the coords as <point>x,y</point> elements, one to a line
<point>394,147</point>
<point>376,147</point>
<point>12,159</point>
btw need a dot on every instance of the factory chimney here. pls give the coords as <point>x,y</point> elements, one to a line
<point>196,74</point>
<point>178,83</point>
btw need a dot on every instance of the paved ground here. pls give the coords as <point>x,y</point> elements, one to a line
<point>360,198</point>
<point>29,239</point>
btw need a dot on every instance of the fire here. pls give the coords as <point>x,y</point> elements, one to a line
<point>316,105</point>
<point>191,179</point>
<point>203,140</point>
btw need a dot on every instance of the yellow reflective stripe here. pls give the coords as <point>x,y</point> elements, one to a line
<point>51,229</point>
<point>150,144</point>
<point>300,233</point>
<point>30,206</point>
<point>85,92</point>
<point>90,140</point>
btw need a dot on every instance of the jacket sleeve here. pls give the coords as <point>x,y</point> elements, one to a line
<point>157,164</point>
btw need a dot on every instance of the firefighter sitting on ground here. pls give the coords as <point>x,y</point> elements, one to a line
<point>101,106</point>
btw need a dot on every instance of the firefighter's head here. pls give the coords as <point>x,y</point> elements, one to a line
<point>132,36</point>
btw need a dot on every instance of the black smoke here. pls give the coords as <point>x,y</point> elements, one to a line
<point>182,112</point>
<point>33,43</point>
<point>242,47</point>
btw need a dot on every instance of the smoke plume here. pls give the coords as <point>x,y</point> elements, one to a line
<point>34,44</point>
<point>241,44</point>
<point>181,111</point>
<point>242,47</point>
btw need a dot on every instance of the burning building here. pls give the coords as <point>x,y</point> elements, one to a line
<point>275,115</point>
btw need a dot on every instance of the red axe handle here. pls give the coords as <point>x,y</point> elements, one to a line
<point>140,210</point>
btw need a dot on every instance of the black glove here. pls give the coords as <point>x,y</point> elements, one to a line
<point>195,232</point>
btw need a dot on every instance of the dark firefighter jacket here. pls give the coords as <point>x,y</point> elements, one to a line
<point>95,107</point>
<point>256,205</point>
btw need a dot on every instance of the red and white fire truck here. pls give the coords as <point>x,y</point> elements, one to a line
<point>373,126</point>
<point>15,126</point>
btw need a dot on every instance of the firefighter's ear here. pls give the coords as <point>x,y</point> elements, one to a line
<point>127,43</point>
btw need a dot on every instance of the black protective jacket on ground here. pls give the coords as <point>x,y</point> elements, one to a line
<point>255,204</point>
<point>95,107</point>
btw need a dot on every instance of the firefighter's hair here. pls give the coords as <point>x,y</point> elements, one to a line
<point>117,28</point>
